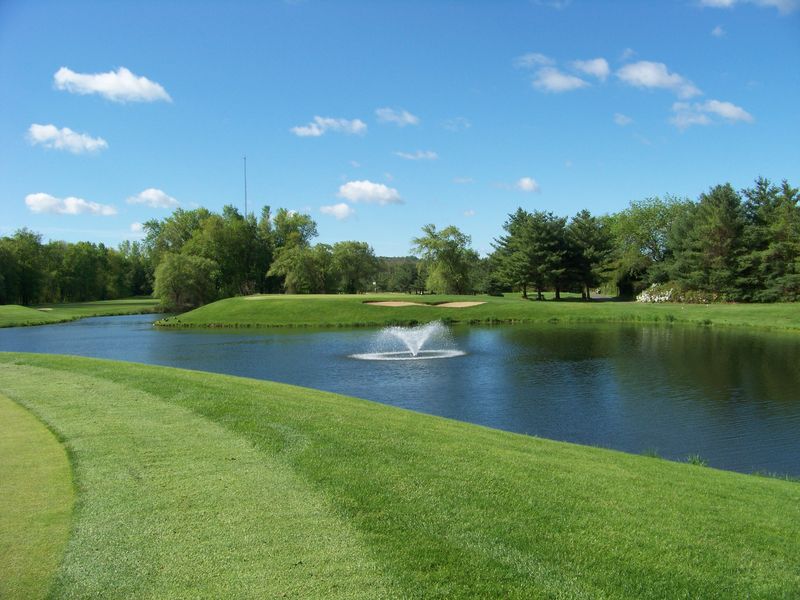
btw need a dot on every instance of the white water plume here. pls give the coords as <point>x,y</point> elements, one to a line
<point>408,343</point>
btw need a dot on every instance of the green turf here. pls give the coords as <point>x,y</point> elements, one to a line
<point>12,315</point>
<point>202,485</point>
<point>36,497</point>
<point>342,310</point>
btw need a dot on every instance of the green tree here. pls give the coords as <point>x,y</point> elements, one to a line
<point>591,248</point>
<point>641,240</point>
<point>447,257</point>
<point>706,243</point>
<point>356,265</point>
<point>183,281</point>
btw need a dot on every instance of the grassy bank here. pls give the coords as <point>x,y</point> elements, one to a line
<point>12,315</point>
<point>202,485</point>
<point>341,310</point>
<point>36,498</point>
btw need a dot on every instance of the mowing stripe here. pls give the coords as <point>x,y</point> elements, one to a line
<point>173,505</point>
<point>36,498</point>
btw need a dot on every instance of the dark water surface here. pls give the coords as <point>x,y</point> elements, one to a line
<point>731,396</point>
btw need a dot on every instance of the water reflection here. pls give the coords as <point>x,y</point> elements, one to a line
<point>729,395</point>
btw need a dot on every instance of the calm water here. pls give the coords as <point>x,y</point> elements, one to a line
<point>731,396</point>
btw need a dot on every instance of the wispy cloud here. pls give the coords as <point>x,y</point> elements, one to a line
<point>457,124</point>
<point>532,60</point>
<point>784,7</point>
<point>686,114</point>
<point>399,117</point>
<point>550,79</point>
<point>646,74</point>
<point>51,136</point>
<point>718,31</point>
<point>118,86</point>
<point>137,228</point>
<point>596,67</point>
<point>469,213</point>
<point>622,120</point>
<point>46,204</point>
<point>527,184</point>
<point>369,192</point>
<point>418,155</point>
<point>340,211</point>
<point>463,180</point>
<point>321,125</point>
<point>154,198</point>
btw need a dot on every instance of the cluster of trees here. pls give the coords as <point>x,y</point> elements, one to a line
<point>33,272</point>
<point>729,245</point>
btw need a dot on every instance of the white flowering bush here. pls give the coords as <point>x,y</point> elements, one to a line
<point>657,293</point>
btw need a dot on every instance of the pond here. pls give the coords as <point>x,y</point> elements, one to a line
<point>731,396</point>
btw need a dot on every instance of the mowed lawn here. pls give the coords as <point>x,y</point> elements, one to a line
<point>198,485</point>
<point>355,310</point>
<point>12,315</point>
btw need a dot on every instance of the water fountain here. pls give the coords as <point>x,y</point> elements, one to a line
<point>411,342</point>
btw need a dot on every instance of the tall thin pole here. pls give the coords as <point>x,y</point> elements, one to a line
<point>245,186</point>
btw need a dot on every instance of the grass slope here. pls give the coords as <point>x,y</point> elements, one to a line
<point>342,310</point>
<point>12,315</point>
<point>36,499</point>
<point>203,485</point>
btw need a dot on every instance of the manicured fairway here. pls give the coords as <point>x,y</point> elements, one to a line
<point>200,485</point>
<point>36,497</point>
<point>14,316</point>
<point>344,311</point>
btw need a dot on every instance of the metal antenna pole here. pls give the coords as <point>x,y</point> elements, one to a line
<point>245,186</point>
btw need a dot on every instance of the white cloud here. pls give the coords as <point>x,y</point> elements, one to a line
<point>627,54</point>
<point>622,120</point>
<point>47,204</point>
<point>469,213</point>
<point>369,192</point>
<point>784,7</point>
<point>355,164</point>
<point>401,118</point>
<point>463,180</point>
<point>119,86</point>
<point>321,125</point>
<point>718,31</point>
<point>457,124</point>
<point>597,67</point>
<point>533,59</point>
<point>646,74</point>
<point>51,136</point>
<point>154,198</point>
<point>137,228</point>
<point>527,184</point>
<point>687,114</point>
<point>339,211</point>
<point>550,79</point>
<point>418,155</point>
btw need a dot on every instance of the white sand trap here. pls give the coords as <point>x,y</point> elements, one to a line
<point>396,303</point>
<point>460,304</point>
<point>44,309</point>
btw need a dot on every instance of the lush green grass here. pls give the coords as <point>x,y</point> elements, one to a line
<point>12,315</point>
<point>36,498</point>
<point>341,310</point>
<point>202,485</point>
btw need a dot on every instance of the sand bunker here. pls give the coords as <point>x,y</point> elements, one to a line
<point>460,304</point>
<point>396,303</point>
<point>443,305</point>
<point>44,309</point>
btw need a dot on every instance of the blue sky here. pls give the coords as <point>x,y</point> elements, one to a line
<point>380,117</point>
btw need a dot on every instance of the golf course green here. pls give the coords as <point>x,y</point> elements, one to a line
<point>199,485</point>
<point>339,310</point>
<point>12,315</point>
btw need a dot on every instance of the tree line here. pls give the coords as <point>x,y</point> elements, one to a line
<point>727,245</point>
